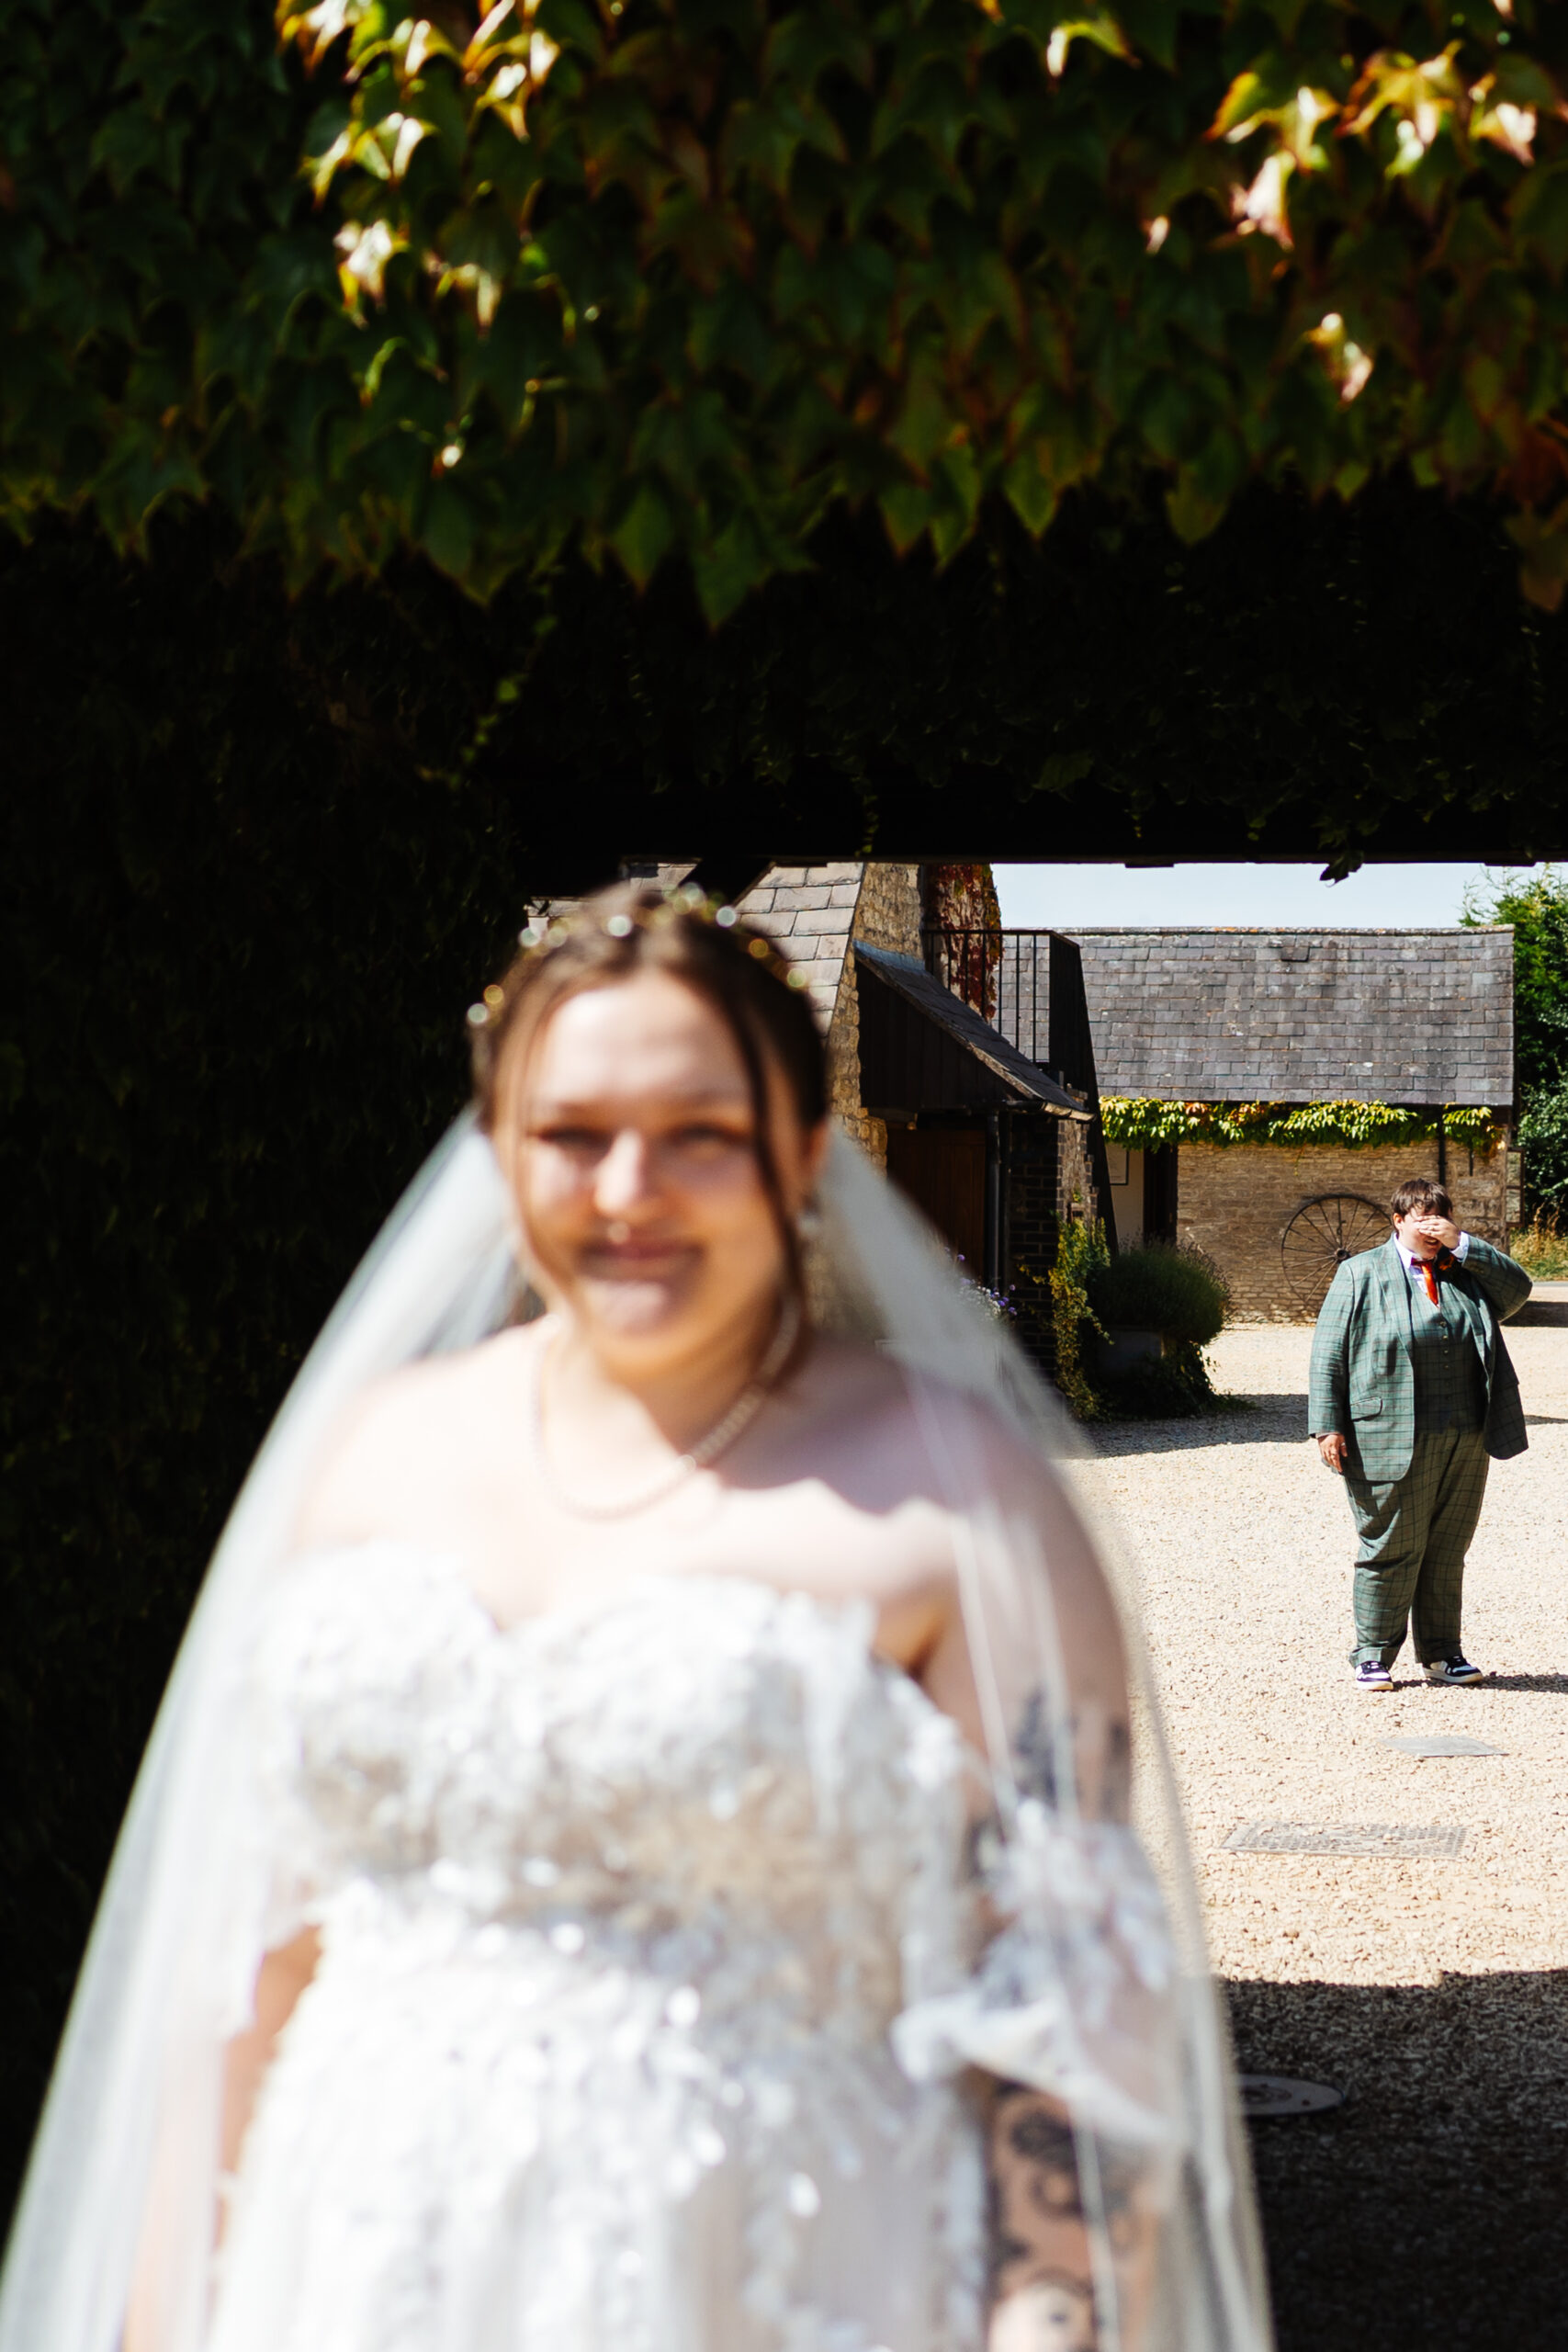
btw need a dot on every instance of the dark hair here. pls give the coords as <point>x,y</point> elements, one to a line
<point>761,999</point>
<point>1421,1194</point>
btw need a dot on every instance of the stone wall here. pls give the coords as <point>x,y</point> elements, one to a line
<point>1235,1201</point>
<point>1050,1179</point>
<point>888,914</point>
<point>890,910</point>
<point>815,912</point>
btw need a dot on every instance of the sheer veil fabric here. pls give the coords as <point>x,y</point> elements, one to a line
<point>1094,1985</point>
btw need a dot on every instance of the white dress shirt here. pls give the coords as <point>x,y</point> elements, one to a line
<point>1459,1252</point>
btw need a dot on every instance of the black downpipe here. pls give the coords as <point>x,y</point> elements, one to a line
<point>996,1239</point>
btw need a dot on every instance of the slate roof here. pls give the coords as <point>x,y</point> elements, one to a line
<point>1024,1080</point>
<point>1303,1016</point>
<point>810,909</point>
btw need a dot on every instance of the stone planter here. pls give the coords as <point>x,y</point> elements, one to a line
<point>1123,1349</point>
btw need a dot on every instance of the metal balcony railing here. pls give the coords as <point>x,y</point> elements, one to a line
<point>1006,976</point>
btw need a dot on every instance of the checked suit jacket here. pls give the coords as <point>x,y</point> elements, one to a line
<point>1363,1372</point>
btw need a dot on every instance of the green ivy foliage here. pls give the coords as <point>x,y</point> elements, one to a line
<point>648,277</point>
<point>1543,1144</point>
<point>1081,1250</point>
<point>1536,906</point>
<point>1144,1123</point>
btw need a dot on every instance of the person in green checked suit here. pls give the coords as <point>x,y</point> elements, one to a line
<point>1411,1395</point>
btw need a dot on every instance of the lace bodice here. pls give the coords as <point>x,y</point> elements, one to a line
<point>701,1762</point>
<point>617,1909</point>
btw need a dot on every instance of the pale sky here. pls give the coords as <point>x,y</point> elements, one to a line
<point>1060,898</point>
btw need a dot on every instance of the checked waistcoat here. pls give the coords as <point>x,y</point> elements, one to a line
<point>1450,1386</point>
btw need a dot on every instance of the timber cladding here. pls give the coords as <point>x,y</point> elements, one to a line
<point>1235,1201</point>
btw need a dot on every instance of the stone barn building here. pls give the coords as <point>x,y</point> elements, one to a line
<point>1310,1038</point>
<point>993,1133</point>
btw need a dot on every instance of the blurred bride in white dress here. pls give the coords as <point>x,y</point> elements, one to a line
<point>635,1857</point>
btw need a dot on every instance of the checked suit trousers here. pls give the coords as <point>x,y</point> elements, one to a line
<point>1415,1532</point>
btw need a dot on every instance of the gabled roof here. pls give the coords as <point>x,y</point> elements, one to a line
<point>1303,1016</point>
<point>947,1058</point>
<point>811,910</point>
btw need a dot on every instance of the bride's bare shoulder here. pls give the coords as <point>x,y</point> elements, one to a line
<point>427,1418</point>
<point>853,1378</point>
<point>972,1445</point>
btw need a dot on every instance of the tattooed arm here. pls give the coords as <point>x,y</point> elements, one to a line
<point>1073,2221</point>
<point>1098,1748</point>
<point>1041,2266</point>
<point>1042,2259</point>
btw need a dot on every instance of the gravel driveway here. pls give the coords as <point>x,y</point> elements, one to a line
<point>1431,2211</point>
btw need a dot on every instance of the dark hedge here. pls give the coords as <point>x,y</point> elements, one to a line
<point>243,930</point>
<point>1312,680</point>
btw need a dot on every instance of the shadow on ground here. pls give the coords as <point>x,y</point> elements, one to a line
<point>1255,1421</point>
<point>1431,2212</point>
<point>1258,1420</point>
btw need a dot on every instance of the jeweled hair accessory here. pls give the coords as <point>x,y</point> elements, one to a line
<point>545,935</point>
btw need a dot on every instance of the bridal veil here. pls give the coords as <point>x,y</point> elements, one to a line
<point>1095,1986</point>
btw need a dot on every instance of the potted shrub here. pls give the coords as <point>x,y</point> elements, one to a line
<point>1158,1308</point>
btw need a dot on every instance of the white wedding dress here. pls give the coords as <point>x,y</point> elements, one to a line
<point>653,1942</point>
<point>618,1908</point>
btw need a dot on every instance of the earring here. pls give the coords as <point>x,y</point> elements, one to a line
<point>808,1221</point>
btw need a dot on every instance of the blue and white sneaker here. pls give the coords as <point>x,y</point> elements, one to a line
<point>1452,1670</point>
<point>1374,1675</point>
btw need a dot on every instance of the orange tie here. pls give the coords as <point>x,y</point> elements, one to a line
<point>1431,1267</point>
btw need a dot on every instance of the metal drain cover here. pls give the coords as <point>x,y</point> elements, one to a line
<point>1300,1837</point>
<point>1450,1743</point>
<point>1284,2095</point>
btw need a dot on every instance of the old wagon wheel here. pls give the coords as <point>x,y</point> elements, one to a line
<point>1320,1236</point>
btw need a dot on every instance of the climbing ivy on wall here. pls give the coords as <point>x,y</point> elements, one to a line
<point>661,276</point>
<point>962,899</point>
<point>1144,1123</point>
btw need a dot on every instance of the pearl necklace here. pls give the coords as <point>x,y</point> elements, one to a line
<point>700,1456</point>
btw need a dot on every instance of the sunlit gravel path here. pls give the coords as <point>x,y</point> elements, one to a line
<point>1435,1991</point>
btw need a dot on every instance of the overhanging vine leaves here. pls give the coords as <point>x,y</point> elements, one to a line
<point>664,277</point>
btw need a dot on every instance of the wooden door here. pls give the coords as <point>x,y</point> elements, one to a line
<point>942,1169</point>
